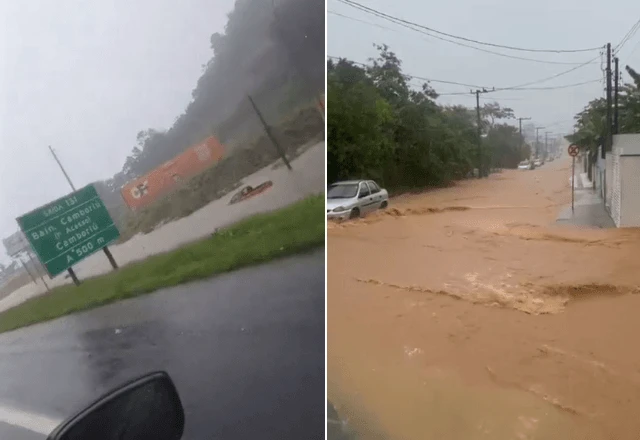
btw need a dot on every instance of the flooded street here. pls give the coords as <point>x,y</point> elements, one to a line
<point>467,313</point>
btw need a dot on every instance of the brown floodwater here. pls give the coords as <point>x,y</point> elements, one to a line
<point>466,313</point>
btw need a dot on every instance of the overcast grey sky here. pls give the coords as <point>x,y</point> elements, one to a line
<point>85,77</point>
<point>561,24</point>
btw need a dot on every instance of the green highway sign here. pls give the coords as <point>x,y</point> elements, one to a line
<point>68,230</point>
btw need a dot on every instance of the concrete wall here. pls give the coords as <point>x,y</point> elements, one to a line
<point>616,187</point>
<point>608,174</point>
<point>599,176</point>
<point>630,194</point>
<point>629,144</point>
<point>623,180</point>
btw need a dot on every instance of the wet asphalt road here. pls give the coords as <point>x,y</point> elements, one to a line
<point>245,349</point>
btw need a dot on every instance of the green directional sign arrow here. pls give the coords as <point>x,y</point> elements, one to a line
<point>68,230</point>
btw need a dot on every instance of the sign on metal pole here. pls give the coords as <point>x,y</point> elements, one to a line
<point>573,151</point>
<point>68,230</point>
<point>15,244</point>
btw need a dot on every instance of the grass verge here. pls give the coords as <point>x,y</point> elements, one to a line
<point>257,239</point>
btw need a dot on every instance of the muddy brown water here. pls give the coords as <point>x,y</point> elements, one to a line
<point>465,313</point>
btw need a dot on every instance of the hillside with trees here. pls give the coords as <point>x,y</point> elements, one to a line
<point>382,126</point>
<point>590,124</point>
<point>270,50</point>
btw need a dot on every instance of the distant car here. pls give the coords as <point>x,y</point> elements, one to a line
<point>355,198</point>
<point>524,165</point>
<point>537,162</point>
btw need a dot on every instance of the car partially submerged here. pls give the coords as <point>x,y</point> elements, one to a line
<point>249,191</point>
<point>524,165</point>
<point>355,198</point>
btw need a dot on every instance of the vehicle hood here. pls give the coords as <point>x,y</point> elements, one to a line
<point>346,202</point>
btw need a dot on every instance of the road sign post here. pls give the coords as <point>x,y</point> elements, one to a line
<point>573,151</point>
<point>37,271</point>
<point>68,230</point>
<point>573,183</point>
<point>105,249</point>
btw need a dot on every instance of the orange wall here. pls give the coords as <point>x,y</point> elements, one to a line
<point>150,187</point>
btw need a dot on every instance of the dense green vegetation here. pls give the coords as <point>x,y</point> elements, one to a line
<point>267,47</point>
<point>257,239</point>
<point>271,50</point>
<point>590,124</point>
<point>382,126</point>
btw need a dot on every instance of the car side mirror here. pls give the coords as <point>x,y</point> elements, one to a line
<point>147,408</point>
<point>361,196</point>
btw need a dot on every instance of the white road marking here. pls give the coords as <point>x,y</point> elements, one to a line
<point>22,419</point>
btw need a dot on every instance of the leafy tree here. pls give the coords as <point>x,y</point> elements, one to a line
<point>500,142</point>
<point>268,49</point>
<point>492,111</point>
<point>380,126</point>
<point>360,117</point>
<point>590,124</point>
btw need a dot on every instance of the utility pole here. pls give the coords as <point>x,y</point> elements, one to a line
<point>537,142</point>
<point>479,134</point>
<point>267,129</point>
<point>62,168</point>
<point>616,125</point>
<point>106,250</point>
<point>521,138</point>
<point>608,137</point>
<point>480,164</point>
<point>546,145</point>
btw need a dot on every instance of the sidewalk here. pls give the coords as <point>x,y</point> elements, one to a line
<point>589,208</point>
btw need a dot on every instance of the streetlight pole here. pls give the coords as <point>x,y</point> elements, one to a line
<point>521,138</point>
<point>481,165</point>
<point>546,145</point>
<point>537,142</point>
<point>105,249</point>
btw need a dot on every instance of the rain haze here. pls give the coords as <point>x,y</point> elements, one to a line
<point>561,24</point>
<point>85,78</point>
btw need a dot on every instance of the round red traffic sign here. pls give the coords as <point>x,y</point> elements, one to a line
<point>573,150</point>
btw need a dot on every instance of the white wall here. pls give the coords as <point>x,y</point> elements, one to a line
<point>629,144</point>
<point>630,194</point>
<point>616,187</point>
<point>608,174</point>
<point>599,174</point>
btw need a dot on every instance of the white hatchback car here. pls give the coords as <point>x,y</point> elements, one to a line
<point>355,198</point>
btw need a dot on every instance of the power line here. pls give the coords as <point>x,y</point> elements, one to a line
<point>564,86</point>
<point>470,95</point>
<point>399,22</point>
<point>522,87</point>
<point>361,21</point>
<point>627,37</point>
<point>565,121</point>
<point>550,77</point>
<point>356,5</point>
<point>414,76</point>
